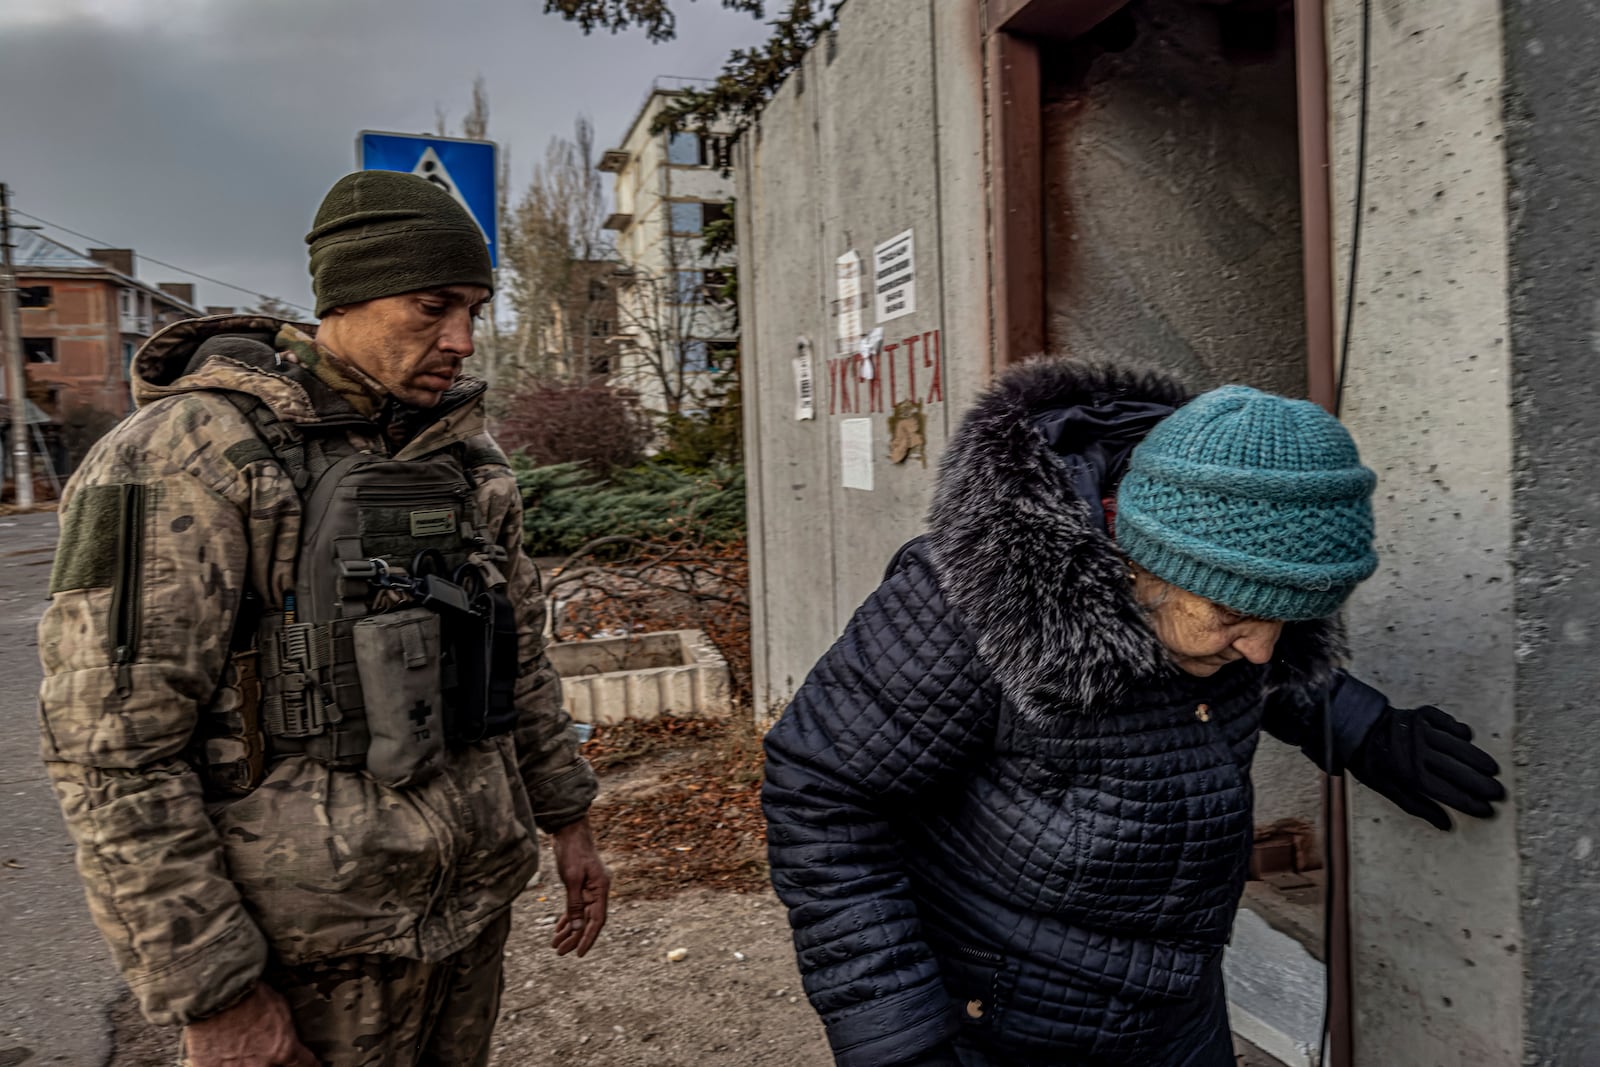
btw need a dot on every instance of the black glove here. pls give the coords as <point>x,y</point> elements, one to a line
<point>1421,758</point>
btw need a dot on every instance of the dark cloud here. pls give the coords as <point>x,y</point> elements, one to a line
<point>204,132</point>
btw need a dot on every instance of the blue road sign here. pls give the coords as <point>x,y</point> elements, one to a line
<point>467,170</point>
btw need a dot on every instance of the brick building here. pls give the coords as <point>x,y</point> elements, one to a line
<point>83,315</point>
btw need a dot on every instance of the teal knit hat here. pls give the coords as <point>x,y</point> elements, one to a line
<point>1253,501</point>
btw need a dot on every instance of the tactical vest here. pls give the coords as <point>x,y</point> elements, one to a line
<point>398,640</point>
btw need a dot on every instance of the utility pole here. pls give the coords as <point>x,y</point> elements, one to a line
<point>11,352</point>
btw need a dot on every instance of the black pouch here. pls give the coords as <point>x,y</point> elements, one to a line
<point>484,666</point>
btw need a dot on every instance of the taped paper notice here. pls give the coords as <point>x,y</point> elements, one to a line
<point>894,277</point>
<point>805,389</point>
<point>847,269</point>
<point>855,453</point>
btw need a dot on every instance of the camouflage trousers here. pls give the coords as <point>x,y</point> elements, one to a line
<point>382,1011</point>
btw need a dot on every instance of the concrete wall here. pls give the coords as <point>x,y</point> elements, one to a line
<point>879,132</point>
<point>1435,925</point>
<point>1553,133</point>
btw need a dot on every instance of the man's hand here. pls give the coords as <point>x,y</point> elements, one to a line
<point>256,1032</point>
<point>588,885</point>
<point>1422,758</point>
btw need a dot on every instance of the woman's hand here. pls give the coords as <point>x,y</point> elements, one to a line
<point>1422,758</point>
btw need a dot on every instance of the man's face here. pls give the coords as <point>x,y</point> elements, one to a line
<point>412,344</point>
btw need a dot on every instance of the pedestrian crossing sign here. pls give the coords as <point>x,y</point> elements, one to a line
<point>466,169</point>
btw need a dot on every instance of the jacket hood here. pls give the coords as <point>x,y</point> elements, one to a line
<point>239,353</point>
<point>1018,540</point>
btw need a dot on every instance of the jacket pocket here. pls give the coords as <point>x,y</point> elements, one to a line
<point>331,863</point>
<point>980,982</point>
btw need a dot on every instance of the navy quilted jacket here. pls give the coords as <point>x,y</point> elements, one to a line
<point>993,807</point>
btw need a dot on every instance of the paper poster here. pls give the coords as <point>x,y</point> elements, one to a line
<point>847,269</point>
<point>805,386</point>
<point>894,277</point>
<point>855,453</point>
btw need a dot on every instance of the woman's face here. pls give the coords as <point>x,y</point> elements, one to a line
<point>1202,637</point>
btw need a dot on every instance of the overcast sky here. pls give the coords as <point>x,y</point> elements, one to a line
<point>204,132</point>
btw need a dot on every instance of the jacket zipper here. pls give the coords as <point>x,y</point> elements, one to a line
<point>126,588</point>
<point>978,955</point>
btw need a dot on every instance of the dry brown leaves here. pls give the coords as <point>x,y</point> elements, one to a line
<point>689,815</point>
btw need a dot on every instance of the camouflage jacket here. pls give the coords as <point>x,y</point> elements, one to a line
<point>194,891</point>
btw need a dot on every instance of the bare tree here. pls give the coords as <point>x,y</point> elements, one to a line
<point>674,327</point>
<point>560,263</point>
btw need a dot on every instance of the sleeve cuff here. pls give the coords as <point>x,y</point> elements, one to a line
<point>206,980</point>
<point>1353,708</point>
<point>563,798</point>
<point>924,1021</point>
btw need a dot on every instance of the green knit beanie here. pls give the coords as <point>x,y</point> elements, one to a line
<point>379,233</point>
<point>1252,501</point>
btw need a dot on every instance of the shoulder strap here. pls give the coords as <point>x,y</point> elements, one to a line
<point>287,445</point>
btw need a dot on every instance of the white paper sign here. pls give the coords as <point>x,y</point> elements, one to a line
<point>894,277</point>
<point>847,269</point>
<point>855,453</point>
<point>805,390</point>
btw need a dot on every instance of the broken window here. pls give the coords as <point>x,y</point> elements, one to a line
<point>689,287</point>
<point>686,150</point>
<point>694,356</point>
<point>33,296</point>
<point>686,218</point>
<point>39,349</point>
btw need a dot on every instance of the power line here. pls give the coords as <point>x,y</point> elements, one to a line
<point>161,263</point>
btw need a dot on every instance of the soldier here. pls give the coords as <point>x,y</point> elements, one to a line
<point>296,705</point>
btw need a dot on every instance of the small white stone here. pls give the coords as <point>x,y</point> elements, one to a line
<point>547,920</point>
<point>677,955</point>
<point>528,984</point>
<point>739,956</point>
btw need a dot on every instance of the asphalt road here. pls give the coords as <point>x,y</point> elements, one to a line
<point>57,983</point>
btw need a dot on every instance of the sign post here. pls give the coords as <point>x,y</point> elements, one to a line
<point>466,169</point>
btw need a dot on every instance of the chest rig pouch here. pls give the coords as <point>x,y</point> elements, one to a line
<point>399,640</point>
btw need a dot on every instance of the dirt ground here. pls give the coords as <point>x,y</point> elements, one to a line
<point>678,820</point>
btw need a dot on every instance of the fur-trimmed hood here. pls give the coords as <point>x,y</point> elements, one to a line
<point>1026,559</point>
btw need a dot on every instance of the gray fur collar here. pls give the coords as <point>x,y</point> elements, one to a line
<point>1043,587</point>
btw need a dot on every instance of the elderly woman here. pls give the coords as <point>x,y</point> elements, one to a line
<point>1010,810</point>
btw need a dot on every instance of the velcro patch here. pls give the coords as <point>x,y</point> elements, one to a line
<point>91,537</point>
